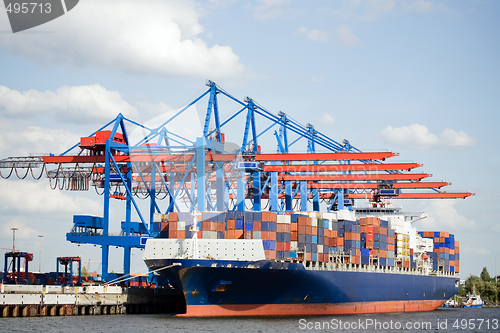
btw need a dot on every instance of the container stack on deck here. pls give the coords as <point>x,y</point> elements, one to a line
<point>314,236</point>
<point>446,252</point>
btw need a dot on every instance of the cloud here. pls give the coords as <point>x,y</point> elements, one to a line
<point>85,104</point>
<point>423,6</point>
<point>442,215</point>
<point>345,36</point>
<point>374,10</point>
<point>325,119</point>
<point>268,9</point>
<point>342,35</point>
<point>33,140</point>
<point>475,250</point>
<point>314,34</point>
<point>154,37</point>
<point>417,136</point>
<point>36,198</point>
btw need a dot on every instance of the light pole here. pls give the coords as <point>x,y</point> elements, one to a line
<point>40,254</point>
<point>13,239</point>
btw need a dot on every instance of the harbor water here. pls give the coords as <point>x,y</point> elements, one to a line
<point>443,320</point>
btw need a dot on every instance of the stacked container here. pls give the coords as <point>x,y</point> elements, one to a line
<point>445,256</point>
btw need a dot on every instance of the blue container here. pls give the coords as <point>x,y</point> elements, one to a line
<point>376,238</point>
<point>340,233</point>
<point>249,226</point>
<point>268,226</point>
<point>390,262</point>
<point>308,239</point>
<point>391,232</point>
<point>302,239</point>
<point>238,224</point>
<point>156,226</point>
<point>452,257</point>
<point>335,226</point>
<point>358,244</point>
<point>321,232</point>
<point>248,216</point>
<point>295,217</point>
<point>293,254</point>
<point>326,224</point>
<point>340,224</point>
<point>314,257</point>
<point>326,249</point>
<point>383,246</point>
<point>382,261</point>
<point>349,227</point>
<point>352,252</point>
<point>365,260</point>
<point>314,239</point>
<point>257,216</point>
<point>365,252</point>
<point>308,247</point>
<point>220,235</point>
<point>436,233</point>
<point>383,238</point>
<point>269,245</point>
<point>452,269</point>
<point>376,245</point>
<point>384,224</point>
<point>333,249</point>
<point>314,248</point>
<point>231,215</point>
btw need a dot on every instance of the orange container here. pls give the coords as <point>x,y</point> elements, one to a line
<point>304,220</point>
<point>268,235</point>
<point>314,231</point>
<point>270,254</point>
<point>181,234</point>
<point>302,230</point>
<point>309,230</point>
<point>293,226</point>
<point>172,216</point>
<point>257,226</point>
<point>231,224</point>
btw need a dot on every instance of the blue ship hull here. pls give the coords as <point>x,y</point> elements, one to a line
<point>236,288</point>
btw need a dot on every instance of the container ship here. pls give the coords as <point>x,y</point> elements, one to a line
<point>362,260</point>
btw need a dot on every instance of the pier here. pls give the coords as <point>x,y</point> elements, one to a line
<point>37,300</point>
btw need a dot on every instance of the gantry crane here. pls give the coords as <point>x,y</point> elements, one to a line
<point>169,168</point>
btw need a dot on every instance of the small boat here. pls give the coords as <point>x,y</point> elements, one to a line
<point>451,303</point>
<point>474,300</point>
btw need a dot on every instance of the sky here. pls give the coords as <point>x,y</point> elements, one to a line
<point>420,78</point>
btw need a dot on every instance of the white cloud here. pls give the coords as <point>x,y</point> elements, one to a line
<point>268,9</point>
<point>442,215</point>
<point>157,37</point>
<point>70,103</point>
<point>325,119</point>
<point>424,6</point>
<point>314,34</point>
<point>417,136</point>
<point>345,36</point>
<point>23,230</point>
<point>36,198</point>
<point>34,140</point>
<point>374,10</point>
<point>475,250</point>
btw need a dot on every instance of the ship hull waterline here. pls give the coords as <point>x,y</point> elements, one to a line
<point>214,288</point>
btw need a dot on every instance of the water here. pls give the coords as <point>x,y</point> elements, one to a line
<point>441,320</point>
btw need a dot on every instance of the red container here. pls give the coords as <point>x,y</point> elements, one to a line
<point>248,234</point>
<point>294,236</point>
<point>270,254</point>
<point>257,226</point>
<point>181,234</point>
<point>172,226</point>
<point>221,227</point>
<point>294,226</point>
<point>172,216</point>
<point>302,230</point>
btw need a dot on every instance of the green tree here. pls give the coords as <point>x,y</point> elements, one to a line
<point>474,281</point>
<point>485,276</point>
<point>85,273</point>
<point>490,291</point>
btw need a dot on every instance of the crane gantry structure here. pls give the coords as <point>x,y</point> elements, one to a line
<point>208,174</point>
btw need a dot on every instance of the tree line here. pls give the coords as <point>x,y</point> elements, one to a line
<point>485,286</point>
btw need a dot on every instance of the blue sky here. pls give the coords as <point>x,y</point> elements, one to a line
<point>420,78</point>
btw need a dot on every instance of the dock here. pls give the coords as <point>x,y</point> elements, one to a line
<point>38,300</point>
